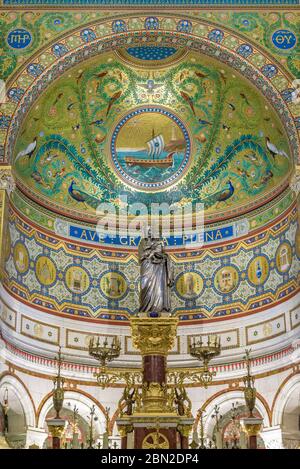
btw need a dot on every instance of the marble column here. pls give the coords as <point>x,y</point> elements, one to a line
<point>154,369</point>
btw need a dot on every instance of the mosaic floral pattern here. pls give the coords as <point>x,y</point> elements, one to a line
<point>268,24</point>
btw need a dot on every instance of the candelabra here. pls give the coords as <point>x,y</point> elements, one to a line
<point>202,444</point>
<point>107,420</point>
<point>251,425</point>
<point>74,425</point>
<point>205,353</point>
<point>58,383</point>
<point>57,425</point>
<point>235,425</point>
<point>217,417</point>
<point>105,353</point>
<point>234,410</point>
<point>249,391</point>
<point>75,418</point>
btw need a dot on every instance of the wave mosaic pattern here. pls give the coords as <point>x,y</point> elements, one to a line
<point>242,276</point>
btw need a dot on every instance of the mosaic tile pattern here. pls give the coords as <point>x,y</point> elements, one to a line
<point>71,3</point>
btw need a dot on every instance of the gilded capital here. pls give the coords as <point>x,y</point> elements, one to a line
<point>56,427</point>
<point>56,431</point>
<point>153,336</point>
<point>185,430</point>
<point>124,429</point>
<point>251,426</point>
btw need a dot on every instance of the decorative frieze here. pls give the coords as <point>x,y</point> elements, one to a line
<point>266,330</point>
<point>40,331</point>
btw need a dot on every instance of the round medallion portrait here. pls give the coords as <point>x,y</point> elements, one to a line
<point>21,257</point>
<point>113,285</point>
<point>226,279</point>
<point>150,148</point>
<point>45,270</point>
<point>284,257</point>
<point>189,285</point>
<point>77,279</point>
<point>258,270</point>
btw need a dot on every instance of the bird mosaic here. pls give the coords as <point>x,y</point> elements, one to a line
<point>274,150</point>
<point>28,151</point>
<point>82,197</point>
<point>219,196</point>
<point>189,100</point>
<point>112,100</point>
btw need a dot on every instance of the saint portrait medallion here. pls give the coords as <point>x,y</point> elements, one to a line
<point>45,271</point>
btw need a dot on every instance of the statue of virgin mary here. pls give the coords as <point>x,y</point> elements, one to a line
<point>156,276</point>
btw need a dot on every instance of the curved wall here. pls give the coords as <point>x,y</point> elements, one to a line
<point>243,275</point>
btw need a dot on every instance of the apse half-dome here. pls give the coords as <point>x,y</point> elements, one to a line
<point>154,124</point>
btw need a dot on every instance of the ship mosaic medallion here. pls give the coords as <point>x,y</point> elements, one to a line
<point>150,148</point>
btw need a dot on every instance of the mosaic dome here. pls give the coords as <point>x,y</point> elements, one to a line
<point>154,124</point>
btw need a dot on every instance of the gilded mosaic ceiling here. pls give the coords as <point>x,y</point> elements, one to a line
<point>155,124</point>
<point>64,277</point>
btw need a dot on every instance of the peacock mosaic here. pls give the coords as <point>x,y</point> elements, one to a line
<point>247,275</point>
<point>100,133</point>
<point>42,27</point>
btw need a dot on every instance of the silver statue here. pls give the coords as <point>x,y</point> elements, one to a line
<point>156,276</point>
